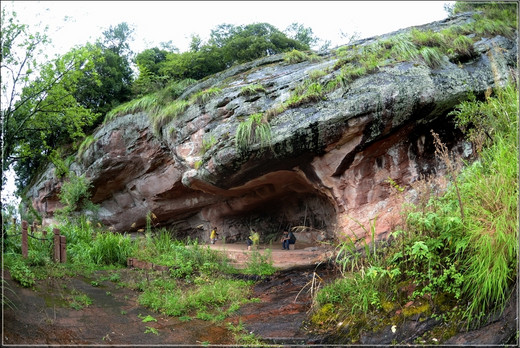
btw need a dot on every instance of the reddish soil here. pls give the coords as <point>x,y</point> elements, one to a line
<point>42,315</point>
<point>304,254</point>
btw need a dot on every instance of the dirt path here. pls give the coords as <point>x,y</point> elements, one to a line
<point>43,315</point>
<point>304,254</point>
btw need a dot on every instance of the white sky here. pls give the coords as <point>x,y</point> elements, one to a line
<point>161,21</point>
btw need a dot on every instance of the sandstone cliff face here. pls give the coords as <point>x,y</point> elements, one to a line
<point>329,163</point>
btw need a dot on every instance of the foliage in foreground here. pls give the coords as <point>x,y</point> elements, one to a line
<point>199,284</point>
<point>456,258</point>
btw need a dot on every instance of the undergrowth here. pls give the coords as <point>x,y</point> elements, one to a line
<point>199,282</point>
<point>456,256</point>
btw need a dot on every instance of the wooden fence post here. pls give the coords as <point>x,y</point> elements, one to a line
<point>56,244</point>
<point>63,249</point>
<point>33,229</point>
<point>24,239</point>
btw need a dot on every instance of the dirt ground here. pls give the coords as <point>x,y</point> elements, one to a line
<point>303,254</point>
<point>41,315</point>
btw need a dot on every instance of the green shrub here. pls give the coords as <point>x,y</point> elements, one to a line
<point>260,264</point>
<point>187,259</point>
<point>19,271</point>
<point>74,194</point>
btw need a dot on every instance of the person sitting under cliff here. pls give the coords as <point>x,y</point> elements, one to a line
<point>253,239</point>
<point>213,236</point>
<point>287,239</point>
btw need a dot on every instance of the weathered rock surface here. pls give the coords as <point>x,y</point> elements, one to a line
<point>329,163</point>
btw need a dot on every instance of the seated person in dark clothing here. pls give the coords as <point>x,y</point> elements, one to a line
<point>287,238</point>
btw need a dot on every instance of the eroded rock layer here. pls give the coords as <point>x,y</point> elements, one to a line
<point>329,164</point>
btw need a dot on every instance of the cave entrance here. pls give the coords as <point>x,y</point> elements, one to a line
<point>311,215</point>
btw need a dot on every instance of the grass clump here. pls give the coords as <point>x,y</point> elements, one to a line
<point>462,49</point>
<point>255,129</point>
<point>168,113</point>
<point>308,92</point>
<point>403,49</point>
<point>432,56</point>
<point>253,89</point>
<point>315,75</point>
<point>145,103</point>
<point>426,38</point>
<point>295,56</point>
<point>85,144</point>
<point>204,96</point>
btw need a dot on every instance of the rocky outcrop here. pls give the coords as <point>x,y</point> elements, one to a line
<point>329,161</point>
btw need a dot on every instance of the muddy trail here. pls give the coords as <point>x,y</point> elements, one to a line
<point>44,314</point>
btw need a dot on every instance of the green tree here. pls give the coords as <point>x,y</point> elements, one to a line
<point>302,34</point>
<point>149,63</point>
<point>112,69</point>
<point>39,110</point>
<point>117,39</point>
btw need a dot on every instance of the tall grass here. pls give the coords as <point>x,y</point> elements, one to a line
<point>111,249</point>
<point>255,129</point>
<point>145,103</point>
<point>467,263</point>
<point>432,56</point>
<point>204,96</point>
<point>166,114</point>
<point>490,190</point>
<point>85,144</point>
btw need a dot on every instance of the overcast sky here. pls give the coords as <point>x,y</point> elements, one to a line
<point>77,22</point>
<point>162,21</point>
